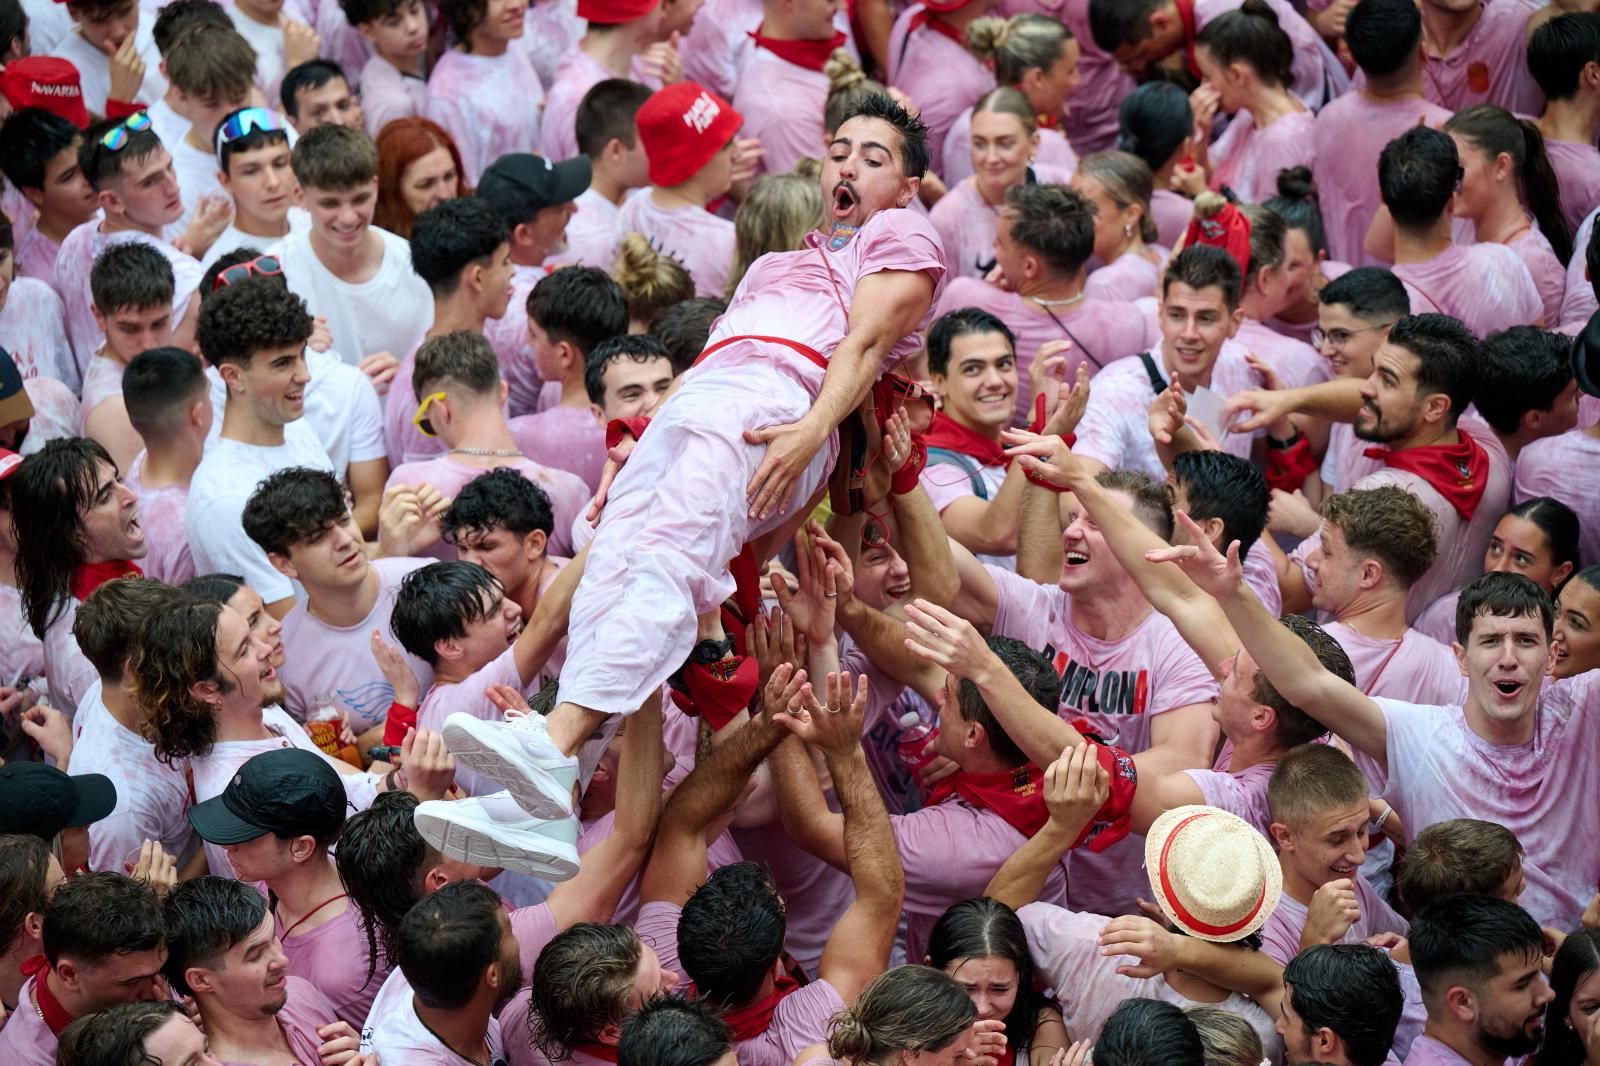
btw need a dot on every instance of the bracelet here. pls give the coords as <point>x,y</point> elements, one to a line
<point>1069,439</point>
<point>1384,817</point>
<point>1285,443</point>
<point>909,475</point>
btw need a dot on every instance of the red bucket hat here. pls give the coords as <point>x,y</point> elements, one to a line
<point>682,127</point>
<point>45,82</point>
<point>615,12</point>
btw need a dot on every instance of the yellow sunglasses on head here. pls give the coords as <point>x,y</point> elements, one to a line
<point>420,419</point>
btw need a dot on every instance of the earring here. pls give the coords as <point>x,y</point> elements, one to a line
<point>1127,230</point>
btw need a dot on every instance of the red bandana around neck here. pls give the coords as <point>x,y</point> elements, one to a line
<point>753,1019</point>
<point>812,55</point>
<point>55,1015</point>
<point>952,436</point>
<point>605,1052</point>
<point>1048,122</point>
<point>1015,795</point>
<point>1459,472</point>
<point>1186,14</point>
<point>925,18</point>
<point>89,576</point>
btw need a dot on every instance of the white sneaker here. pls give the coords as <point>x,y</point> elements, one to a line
<point>518,755</point>
<point>495,831</point>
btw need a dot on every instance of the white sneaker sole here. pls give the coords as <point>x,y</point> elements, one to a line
<point>490,844</point>
<point>483,747</point>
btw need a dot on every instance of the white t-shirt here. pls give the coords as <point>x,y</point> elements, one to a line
<point>233,238</point>
<point>94,66</point>
<point>395,1034</point>
<point>342,408</point>
<point>389,312</point>
<point>268,43</point>
<point>222,484</point>
<point>33,328</point>
<point>151,796</point>
<point>197,175</point>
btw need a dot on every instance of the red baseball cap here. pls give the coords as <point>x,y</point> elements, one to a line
<point>46,82</point>
<point>9,461</point>
<point>682,127</point>
<point>612,12</point>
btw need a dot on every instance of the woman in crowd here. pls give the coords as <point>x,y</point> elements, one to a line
<point>1119,185</point>
<point>418,167</point>
<point>1036,55</point>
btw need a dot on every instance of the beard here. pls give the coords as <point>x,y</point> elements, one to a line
<point>1516,1043</point>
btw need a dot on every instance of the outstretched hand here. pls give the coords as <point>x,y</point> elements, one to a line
<point>948,640</point>
<point>833,723</point>
<point>1210,570</point>
<point>1045,456</point>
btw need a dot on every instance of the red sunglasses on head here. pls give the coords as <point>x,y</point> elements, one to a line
<point>266,266</point>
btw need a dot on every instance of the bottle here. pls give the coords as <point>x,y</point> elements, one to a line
<point>323,725</point>
<point>915,735</point>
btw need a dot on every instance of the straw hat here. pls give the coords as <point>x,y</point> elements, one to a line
<point>1213,875</point>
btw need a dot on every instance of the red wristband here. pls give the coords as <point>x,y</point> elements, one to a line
<point>1069,439</point>
<point>400,718</point>
<point>910,473</point>
<point>1287,468</point>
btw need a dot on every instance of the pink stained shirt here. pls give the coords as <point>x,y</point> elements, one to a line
<point>1490,66</point>
<point>151,796</point>
<point>36,255</point>
<point>387,94</point>
<point>1577,168</point>
<point>566,439</point>
<point>1247,159</point>
<point>302,1014</point>
<point>1100,331</point>
<point>1548,273</point>
<point>1415,667</point>
<point>68,671</point>
<point>1115,429</point>
<point>1579,302</point>
<point>166,538</point>
<point>1280,936</point>
<point>471,696</point>
<point>102,380</point>
<point>782,104</point>
<point>1296,362</point>
<point>78,252</point>
<point>549,28</point>
<point>701,241</point>
<point>332,957</point>
<point>801,1019</point>
<point>1546,468</point>
<point>322,661</point>
<point>1426,1051</point>
<point>1127,278</point>
<point>1437,623</point>
<point>1543,790</point>
<point>21,653</point>
<point>718,44</point>
<point>1172,212</point>
<point>940,75</point>
<point>966,221</point>
<point>26,1040</point>
<point>576,72</point>
<point>1241,792</point>
<point>1261,574</point>
<point>1066,949</point>
<point>1119,687</point>
<point>591,235</point>
<point>569,496</point>
<point>1091,120</point>
<point>1347,137</point>
<point>1486,286</point>
<point>888,701</point>
<point>395,1034</point>
<point>33,329</point>
<point>1055,152</point>
<point>508,336</point>
<point>467,95</point>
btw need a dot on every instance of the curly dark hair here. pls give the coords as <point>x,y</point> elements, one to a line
<point>499,499</point>
<point>250,316</point>
<point>581,984</point>
<point>177,648</point>
<point>293,506</point>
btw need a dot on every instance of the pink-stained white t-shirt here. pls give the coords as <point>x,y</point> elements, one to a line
<point>1416,667</point>
<point>1055,151</point>
<point>1438,623</point>
<point>1261,574</point>
<point>508,336</point>
<point>211,772</point>
<point>1172,212</point>
<point>303,1013</point>
<point>334,663</point>
<point>26,1040</point>
<point>801,1019</point>
<point>33,329</point>
<point>1543,790</point>
<point>78,253</point>
<point>1347,137</point>
<point>1241,792</point>
<point>388,94</point>
<point>389,312</point>
<point>94,66</point>
<point>1486,286</point>
<point>1546,468</point>
<point>782,105</point>
<point>568,439</point>
<point>941,75</point>
<point>36,255</point>
<point>1296,362</point>
<point>21,653</point>
<point>332,957</point>
<point>1577,168</point>
<point>1100,331</point>
<point>1579,302</point>
<point>167,556</point>
<point>965,221</point>
<point>395,1034</point>
<point>1548,273</point>
<point>151,796</point>
<point>1127,278</point>
<point>1066,949</point>
<point>569,496</point>
<point>549,28</point>
<point>1247,159</point>
<point>471,696</point>
<point>1280,936</point>
<point>576,72</point>
<point>1118,687</point>
<point>1490,66</point>
<point>1426,1051</point>
<point>467,95</point>
<point>701,241</point>
<point>887,702</point>
<point>591,233</point>
<point>1115,429</point>
<point>68,671</point>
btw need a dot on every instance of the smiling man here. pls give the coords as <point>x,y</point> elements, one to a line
<point>254,332</point>
<point>738,455</point>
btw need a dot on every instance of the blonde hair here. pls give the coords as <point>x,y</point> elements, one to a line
<point>1128,180</point>
<point>651,279</point>
<point>847,83</point>
<point>775,217</point>
<point>1018,44</point>
<point>1008,101</point>
<point>1229,1040</point>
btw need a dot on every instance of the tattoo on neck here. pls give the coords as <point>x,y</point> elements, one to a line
<point>842,232</point>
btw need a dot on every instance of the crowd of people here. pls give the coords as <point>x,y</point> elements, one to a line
<point>789,533</point>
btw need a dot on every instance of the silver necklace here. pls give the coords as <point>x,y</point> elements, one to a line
<point>508,453</point>
<point>1042,302</point>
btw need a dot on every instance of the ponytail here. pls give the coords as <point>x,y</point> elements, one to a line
<point>1495,131</point>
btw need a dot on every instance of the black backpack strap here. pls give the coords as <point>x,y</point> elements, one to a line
<point>1157,382</point>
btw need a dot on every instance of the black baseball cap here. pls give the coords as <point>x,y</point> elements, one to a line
<point>15,406</point>
<point>288,792</point>
<point>39,800</point>
<point>519,185</point>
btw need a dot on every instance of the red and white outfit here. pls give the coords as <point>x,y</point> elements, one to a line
<point>782,93</point>
<point>930,62</point>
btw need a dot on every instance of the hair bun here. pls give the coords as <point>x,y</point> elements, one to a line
<point>1296,183</point>
<point>842,71</point>
<point>1259,9</point>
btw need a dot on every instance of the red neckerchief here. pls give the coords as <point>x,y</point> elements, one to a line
<point>1015,795</point>
<point>608,1052</point>
<point>1458,472</point>
<point>1008,1057</point>
<point>1186,13</point>
<point>1048,122</point>
<point>925,18</point>
<point>54,1014</point>
<point>89,576</point>
<point>812,55</point>
<point>951,435</point>
<point>753,1019</point>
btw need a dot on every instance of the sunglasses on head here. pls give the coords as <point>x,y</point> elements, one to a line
<point>420,419</point>
<point>266,266</point>
<point>116,138</point>
<point>245,122</point>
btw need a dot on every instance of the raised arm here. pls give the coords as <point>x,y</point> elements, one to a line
<point>1075,787</point>
<point>1337,400</point>
<point>545,630</point>
<point>1230,966</point>
<point>1039,529</point>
